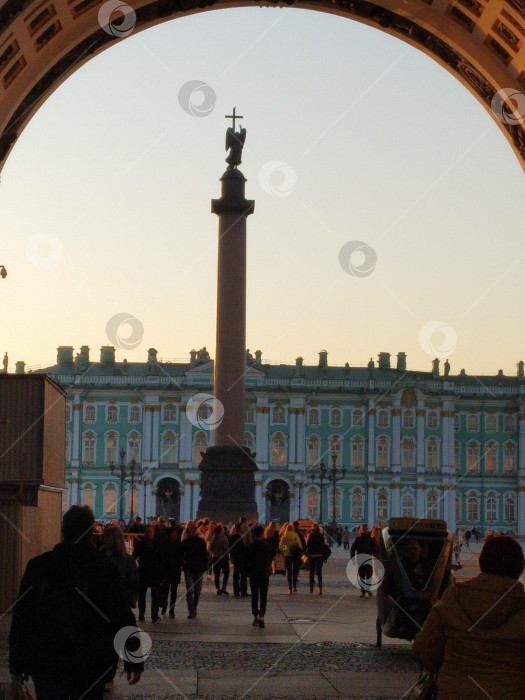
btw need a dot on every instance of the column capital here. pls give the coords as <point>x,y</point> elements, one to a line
<point>396,412</point>
<point>372,411</point>
<point>420,412</point>
<point>76,407</point>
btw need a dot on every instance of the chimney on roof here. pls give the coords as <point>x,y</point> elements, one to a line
<point>384,360</point>
<point>20,367</point>
<point>107,355</point>
<point>401,361</point>
<point>64,354</point>
<point>520,372</point>
<point>323,358</point>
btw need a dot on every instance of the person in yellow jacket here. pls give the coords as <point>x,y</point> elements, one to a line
<point>475,635</point>
<point>290,546</point>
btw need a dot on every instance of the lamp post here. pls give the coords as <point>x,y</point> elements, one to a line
<point>123,475</point>
<point>299,483</point>
<point>333,477</point>
<point>320,480</point>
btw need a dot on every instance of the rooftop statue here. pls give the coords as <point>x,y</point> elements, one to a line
<point>234,142</point>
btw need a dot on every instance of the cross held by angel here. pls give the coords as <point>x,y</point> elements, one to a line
<point>234,142</point>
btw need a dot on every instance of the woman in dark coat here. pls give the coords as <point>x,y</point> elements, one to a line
<point>315,543</point>
<point>172,567</point>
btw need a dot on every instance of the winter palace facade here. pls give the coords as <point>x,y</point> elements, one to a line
<point>413,443</point>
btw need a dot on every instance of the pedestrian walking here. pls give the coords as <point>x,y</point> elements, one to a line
<point>364,544</point>
<point>68,615</point>
<point>171,566</point>
<point>194,565</point>
<point>148,554</point>
<point>346,538</point>
<point>238,557</point>
<point>218,547</point>
<point>291,548</point>
<point>259,556</point>
<point>315,544</point>
<point>475,635</point>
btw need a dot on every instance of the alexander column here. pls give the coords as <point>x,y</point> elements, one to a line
<point>227,479</point>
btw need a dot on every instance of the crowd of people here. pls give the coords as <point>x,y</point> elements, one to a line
<point>70,652</point>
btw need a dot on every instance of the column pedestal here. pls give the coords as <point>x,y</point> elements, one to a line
<point>227,484</point>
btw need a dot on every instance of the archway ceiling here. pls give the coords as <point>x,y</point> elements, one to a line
<point>481,42</point>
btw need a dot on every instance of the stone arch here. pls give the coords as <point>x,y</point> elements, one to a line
<point>42,44</point>
<point>167,500</point>
<point>278,500</point>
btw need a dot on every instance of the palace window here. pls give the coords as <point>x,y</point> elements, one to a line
<point>335,449</point>
<point>382,453</point>
<point>134,447</point>
<point>88,448</point>
<point>169,413</point>
<point>472,423</point>
<point>408,454</point>
<point>357,506</point>
<point>509,457</point>
<point>111,448</point>
<point>313,504</point>
<point>509,423</point>
<point>432,505</point>
<point>313,418</point>
<point>510,510</point>
<point>457,453</point>
<point>68,413</point>
<point>88,496</point>
<point>168,448</point>
<point>456,423</point>
<point>491,423</point>
<point>491,508</point>
<point>472,509</point>
<point>89,413</point>
<point>110,500</point>
<point>249,414</point>
<point>408,418</point>
<point>278,451</point>
<point>491,458</point>
<point>382,506</point>
<point>432,420</point>
<point>382,418</point>
<point>278,415</point>
<point>313,447</point>
<point>199,445</point>
<point>132,509</point>
<point>472,457</point>
<point>407,506</point>
<point>134,414</point>
<point>112,415</point>
<point>358,454</point>
<point>357,419</point>
<point>432,455</point>
<point>336,418</point>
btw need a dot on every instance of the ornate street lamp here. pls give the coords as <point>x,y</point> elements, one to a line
<point>320,480</point>
<point>333,477</point>
<point>123,475</point>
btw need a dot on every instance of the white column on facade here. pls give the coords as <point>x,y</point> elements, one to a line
<point>185,439</point>
<point>420,438</point>
<point>420,499</point>
<point>187,500</point>
<point>155,436</point>
<point>445,490</point>
<point>196,498</point>
<point>259,501</point>
<point>395,499</point>
<point>150,507</point>
<point>371,447</point>
<point>521,507</point>
<point>292,437</point>
<point>74,487</point>
<point>451,520</point>
<point>76,438</point>
<point>261,435</point>
<point>445,427</point>
<point>396,439</point>
<point>371,504</point>
<point>146,436</point>
<point>301,437</point>
<point>451,443</point>
<point>521,438</point>
<point>141,509</point>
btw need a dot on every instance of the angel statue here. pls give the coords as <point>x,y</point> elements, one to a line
<point>235,142</point>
